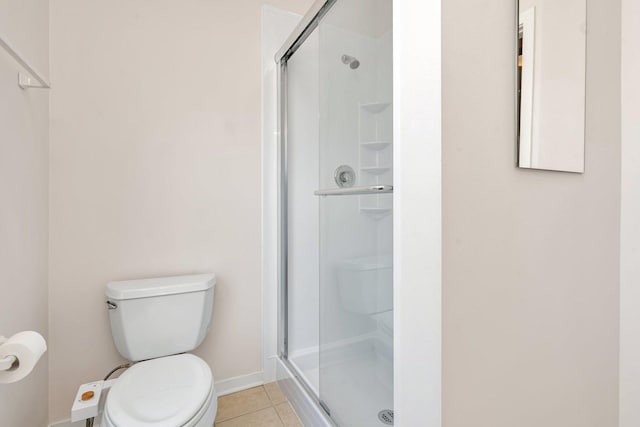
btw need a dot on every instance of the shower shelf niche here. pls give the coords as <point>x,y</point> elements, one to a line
<point>375,145</point>
<point>375,107</point>
<point>375,212</point>
<point>375,170</point>
<point>375,157</point>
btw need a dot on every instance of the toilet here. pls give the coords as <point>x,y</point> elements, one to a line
<point>156,322</point>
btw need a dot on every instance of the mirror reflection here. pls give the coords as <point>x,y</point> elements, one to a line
<point>551,84</point>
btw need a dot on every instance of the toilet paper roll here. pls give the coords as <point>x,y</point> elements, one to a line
<point>27,347</point>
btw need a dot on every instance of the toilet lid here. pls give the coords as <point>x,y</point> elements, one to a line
<point>163,392</point>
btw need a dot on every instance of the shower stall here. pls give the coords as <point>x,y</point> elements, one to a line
<point>335,313</point>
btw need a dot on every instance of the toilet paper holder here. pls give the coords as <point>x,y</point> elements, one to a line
<point>7,362</point>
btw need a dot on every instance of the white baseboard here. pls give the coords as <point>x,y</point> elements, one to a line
<point>240,383</point>
<point>68,424</point>
<point>269,369</point>
<point>223,387</point>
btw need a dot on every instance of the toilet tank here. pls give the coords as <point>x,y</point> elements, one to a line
<point>162,316</point>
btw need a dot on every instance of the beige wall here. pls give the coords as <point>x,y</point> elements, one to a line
<point>24,145</point>
<point>530,257</point>
<point>630,222</point>
<point>155,170</point>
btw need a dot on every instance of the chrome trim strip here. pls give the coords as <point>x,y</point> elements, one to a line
<point>283,237</point>
<point>306,26</point>
<point>517,85</point>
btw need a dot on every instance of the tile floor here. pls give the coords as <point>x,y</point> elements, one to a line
<point>264,406</point>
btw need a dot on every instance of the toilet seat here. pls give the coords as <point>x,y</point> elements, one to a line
<point>172,391</point>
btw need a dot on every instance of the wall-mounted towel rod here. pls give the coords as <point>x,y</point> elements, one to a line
<point>24,81</point>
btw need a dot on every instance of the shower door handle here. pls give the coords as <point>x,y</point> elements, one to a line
<point>371,189</point>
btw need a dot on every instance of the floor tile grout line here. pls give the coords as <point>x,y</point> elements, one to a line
<point>250,412</point>
<point>279,417</point>
<point>272,405</point>
<point>253,412</point>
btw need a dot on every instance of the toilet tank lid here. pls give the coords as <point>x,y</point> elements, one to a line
<point>159,286</point>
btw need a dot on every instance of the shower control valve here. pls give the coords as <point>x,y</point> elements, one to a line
<point>344,176</point>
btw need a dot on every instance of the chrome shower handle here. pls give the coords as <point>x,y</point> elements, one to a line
<point>371,189</point>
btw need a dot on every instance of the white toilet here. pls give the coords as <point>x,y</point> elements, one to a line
<point>155,322</point>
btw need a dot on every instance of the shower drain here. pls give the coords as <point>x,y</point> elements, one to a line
<point>386,416</point>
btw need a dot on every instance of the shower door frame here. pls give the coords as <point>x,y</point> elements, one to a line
<point>299,35</point>
<point>417,207</point>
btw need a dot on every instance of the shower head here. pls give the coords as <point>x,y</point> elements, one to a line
<point>352,62</point>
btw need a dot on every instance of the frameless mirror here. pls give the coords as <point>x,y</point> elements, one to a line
<point>551,84</point>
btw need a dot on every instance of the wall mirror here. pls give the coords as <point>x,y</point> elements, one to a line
<point>551,69</point>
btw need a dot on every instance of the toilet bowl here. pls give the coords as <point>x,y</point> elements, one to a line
<point>155,322</point>
<point>166,392</point>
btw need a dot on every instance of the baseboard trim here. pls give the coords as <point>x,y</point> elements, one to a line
<point>68,423</point>
<point>242,382</point>
<point>223,387</point>
<point>269,369</point>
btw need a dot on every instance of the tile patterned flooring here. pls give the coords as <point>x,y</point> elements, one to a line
<point>264,406</point>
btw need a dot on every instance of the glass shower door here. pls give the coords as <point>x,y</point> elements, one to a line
<point>337,299</point>
<point>355,213</point>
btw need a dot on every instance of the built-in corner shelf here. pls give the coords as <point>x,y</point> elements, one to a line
<point>376,213</point>
<point>375,157</point>
<point>375,145</point>
<point>375,170</point>
<point>375,107</point>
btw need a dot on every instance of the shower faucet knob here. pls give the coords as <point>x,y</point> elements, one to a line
<point>344,176</point>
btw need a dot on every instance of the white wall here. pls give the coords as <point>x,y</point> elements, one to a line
<point>531,258</point>
<point>24,146</point>
<point>417,212</point>
<point>630,223</point>
<point>346,232</point>
<point>155,170</point>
